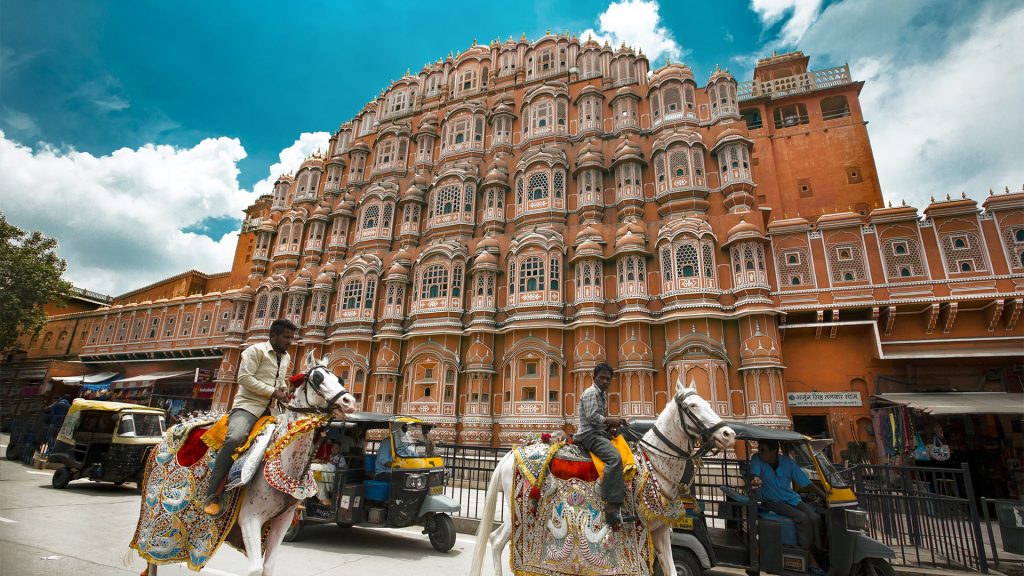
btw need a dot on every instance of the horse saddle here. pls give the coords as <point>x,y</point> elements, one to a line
<point>566,461</point>
<point>205,435</point>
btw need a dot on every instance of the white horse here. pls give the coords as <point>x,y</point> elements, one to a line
<point>683,421</point>
<point>322,393</point>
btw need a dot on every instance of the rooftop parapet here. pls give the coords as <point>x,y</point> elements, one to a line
<point>795,84</point>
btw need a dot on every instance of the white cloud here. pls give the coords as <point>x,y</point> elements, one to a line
<point>19,122</point>
<point>119,218</point>
<point>637,24</point>
<point>291,158</point>
<point>940,92</point>
<point>802,14</point>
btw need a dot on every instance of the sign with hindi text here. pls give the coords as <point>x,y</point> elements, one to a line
<point>800,399</point>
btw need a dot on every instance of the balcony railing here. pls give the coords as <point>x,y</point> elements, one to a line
<point>806,82</point>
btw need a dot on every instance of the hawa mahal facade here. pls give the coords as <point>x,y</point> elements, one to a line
<point>476,239</point>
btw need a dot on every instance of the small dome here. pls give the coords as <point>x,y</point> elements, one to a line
<point>490,242</point>
<point>329,268</point>
<point>299,282</point>
<point>360,147</point>
<point>626,150</point>
<point>322,212</point>
<point>635,350</point>
<point>588,247</point>
<point>403,256</point>
<point>244,290</point>
<point>323,280</point>
<point>398,270</point>
<point>479,354</point>
<point>485,259</point>
<point>387,359</point>
<point>742,231</point>
<point>629,239</point>
<point>267,226</point>
<point>590,232</point>
<point>674,70</point>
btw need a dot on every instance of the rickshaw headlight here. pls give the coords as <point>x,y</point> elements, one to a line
<point>857,520</point>
<point>416,481</point>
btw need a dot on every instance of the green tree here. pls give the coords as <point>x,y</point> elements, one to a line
<point>30,276</point>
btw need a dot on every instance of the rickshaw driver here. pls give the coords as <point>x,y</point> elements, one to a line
<point>403,449</point>
<point>593,435</point>
<point>262,377</point>
<point>774,474</point>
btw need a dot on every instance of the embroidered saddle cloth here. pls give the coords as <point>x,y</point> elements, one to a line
<point>558,526</point>
<point>172,526</point>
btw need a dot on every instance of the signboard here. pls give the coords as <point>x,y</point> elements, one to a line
<point>799,399</point>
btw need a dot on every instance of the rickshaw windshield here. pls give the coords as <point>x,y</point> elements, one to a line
<point>420,443</point>
<point>801,454</point>
<point>141,426</point>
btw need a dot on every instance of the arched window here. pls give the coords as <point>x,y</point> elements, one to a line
<point>370,217</point>
<point>688,264</point>
<point>353,294</point>
<point>834,107</point>
<point>531,275</point>
<point>434,282</point>
<point>538,186</point>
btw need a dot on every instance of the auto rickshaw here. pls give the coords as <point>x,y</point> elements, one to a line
<point>106,442</point>
<point>411,491</point>
<point>742,533</point>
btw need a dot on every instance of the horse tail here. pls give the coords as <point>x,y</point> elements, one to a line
<point>126,558</point>
<point>486,522</point>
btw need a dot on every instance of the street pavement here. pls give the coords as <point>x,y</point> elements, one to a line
<point>84,530</point>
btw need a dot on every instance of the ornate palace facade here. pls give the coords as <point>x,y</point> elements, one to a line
<point>484,232</point>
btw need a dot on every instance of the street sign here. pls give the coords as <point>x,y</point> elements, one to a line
<point>799,399</point>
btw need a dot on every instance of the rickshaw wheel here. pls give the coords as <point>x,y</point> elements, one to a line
<point>61,477</point>
<point>874,567</point>
<point>12,451</point>
<point>687,564</point>
<point>294,532</point>
<point>442,537</point>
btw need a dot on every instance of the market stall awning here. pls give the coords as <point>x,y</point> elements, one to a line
<point>146,380</point>
<point>154,376</point>
<point>87,379</point>
<point>960,402</point>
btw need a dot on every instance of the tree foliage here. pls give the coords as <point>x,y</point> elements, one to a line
<point>30,276</point>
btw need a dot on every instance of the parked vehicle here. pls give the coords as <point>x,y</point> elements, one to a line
<point>105,442</point>
<point>411,490</point>
<point>741,533</point>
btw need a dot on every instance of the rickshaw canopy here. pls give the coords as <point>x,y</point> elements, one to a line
<point>374,421</point>
<point>80,405</point>
<point>752,432</point>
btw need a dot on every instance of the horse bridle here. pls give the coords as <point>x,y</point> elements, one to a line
<point>705,432</point>
<point>316,378</point>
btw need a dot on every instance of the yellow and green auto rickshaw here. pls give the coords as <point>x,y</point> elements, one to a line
<point>105,441</point>
<point>400,485</point>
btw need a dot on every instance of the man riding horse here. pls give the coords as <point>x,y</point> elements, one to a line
<point>262,377</point>
<point>594,436</point>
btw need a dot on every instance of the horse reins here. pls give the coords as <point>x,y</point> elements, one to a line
<point>677,452</point>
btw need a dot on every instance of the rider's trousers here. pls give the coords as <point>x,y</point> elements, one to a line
<point>612,485</point>
<point>240,423</point>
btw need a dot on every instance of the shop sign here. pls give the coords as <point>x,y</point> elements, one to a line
<point>203,375</point>
<point>823,399</point>
<point>204,390</point>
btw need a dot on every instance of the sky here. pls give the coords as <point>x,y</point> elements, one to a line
<point>137,132</point>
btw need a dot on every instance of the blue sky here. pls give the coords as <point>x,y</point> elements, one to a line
<point>105,106</point>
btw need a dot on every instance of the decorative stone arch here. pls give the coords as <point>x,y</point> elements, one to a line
<point>431,394</point>
<point>698,359</point>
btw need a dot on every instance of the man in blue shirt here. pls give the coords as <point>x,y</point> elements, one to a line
<point>774,474</point>
<point>382,469</point>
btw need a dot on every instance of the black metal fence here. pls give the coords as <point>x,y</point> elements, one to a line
<point>469,471</point>
<point>927,515</point>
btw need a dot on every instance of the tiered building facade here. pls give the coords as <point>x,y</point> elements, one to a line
<point>486,231</point>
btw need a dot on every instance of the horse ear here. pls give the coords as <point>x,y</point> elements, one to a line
<point>326,360</point>
<point>679,387</point>
<point>692,386</point>
<point>309,361</point>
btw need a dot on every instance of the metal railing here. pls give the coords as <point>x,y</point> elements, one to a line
<point>469,471</point>
<point>927,515</point>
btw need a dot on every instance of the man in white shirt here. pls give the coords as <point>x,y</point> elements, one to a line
<point>262,377</point>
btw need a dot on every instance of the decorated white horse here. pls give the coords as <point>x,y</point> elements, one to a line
<point>268,480</point>
<point>562,530</point>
